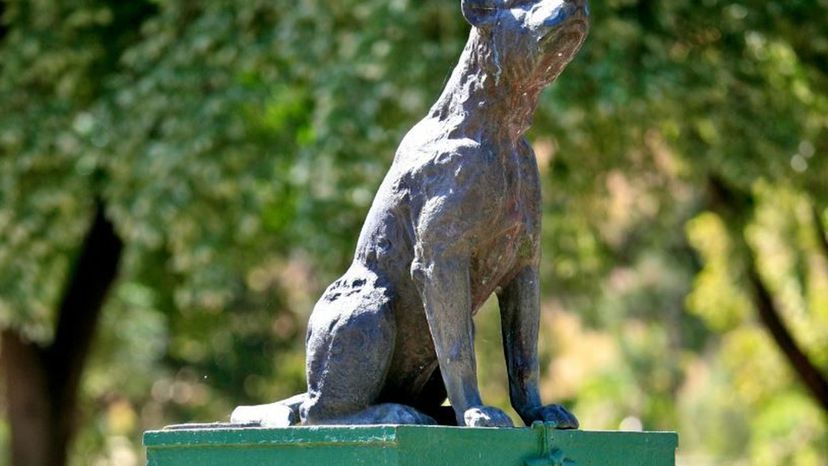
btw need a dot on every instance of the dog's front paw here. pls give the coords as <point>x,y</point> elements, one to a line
<point>486,416</point>
<point>269,415</point>
<point>556,415</point>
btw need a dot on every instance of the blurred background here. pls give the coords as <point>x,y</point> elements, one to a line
<point>179,181</point>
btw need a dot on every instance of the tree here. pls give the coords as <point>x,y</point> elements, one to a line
<point>52,210</point>
<point>184,132</point>
<point>669,97</point>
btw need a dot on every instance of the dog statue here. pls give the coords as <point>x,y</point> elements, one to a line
<point>457,218</point>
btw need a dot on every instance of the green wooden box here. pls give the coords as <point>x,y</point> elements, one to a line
<point>408,445</point>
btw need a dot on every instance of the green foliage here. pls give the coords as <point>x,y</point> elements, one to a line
<point>237,147</point>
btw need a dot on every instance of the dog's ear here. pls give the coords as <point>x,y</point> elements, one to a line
<point>481,13</point>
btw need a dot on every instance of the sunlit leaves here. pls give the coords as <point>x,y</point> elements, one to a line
<point>716,296</point>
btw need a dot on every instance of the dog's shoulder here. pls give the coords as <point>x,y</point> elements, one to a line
<point>444,160</point>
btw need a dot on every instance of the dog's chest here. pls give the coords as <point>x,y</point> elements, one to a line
<point>511,238</point>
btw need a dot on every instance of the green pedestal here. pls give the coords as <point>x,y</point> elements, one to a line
<point>408,445</point>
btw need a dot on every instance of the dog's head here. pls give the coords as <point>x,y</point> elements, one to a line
<point>531,41</point>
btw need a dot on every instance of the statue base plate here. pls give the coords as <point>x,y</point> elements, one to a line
<point>227,445</point>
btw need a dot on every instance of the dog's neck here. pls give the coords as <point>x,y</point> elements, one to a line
<point>484,100</point>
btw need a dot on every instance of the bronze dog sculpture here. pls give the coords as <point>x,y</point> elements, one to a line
<point>456,219</point>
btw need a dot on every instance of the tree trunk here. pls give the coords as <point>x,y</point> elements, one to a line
<point>27,400</point>
<point>42,383</point>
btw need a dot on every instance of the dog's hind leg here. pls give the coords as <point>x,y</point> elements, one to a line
<point>350,344</point>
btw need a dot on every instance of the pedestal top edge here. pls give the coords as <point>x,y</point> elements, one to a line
<point>214,435</point>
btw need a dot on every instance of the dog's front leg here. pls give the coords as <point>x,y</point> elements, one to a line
<point>443,282</point>
<point>520,318</point>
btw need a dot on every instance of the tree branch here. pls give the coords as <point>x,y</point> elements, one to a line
<point>3,28</point>
<point>770,317</point>
<point>819,227</point>
<point>735,206</point>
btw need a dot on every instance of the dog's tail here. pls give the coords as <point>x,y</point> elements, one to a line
<point>279,414</point>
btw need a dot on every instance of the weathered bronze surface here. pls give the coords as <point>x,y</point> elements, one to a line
<point>456,219</point>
